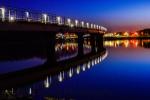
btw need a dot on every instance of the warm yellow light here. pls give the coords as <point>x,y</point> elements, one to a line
<point>126,34</point>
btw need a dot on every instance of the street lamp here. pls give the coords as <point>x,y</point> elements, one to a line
<point>27,15</point>
<point>11,19</point>
<point>69,21</point>
<point>76,23</point>
<point>91,25</point>
<point>87,24</point>
<point>44,19</point>
<point>82,24</point>
<point>58,19</point>
<point>97,27</point>
<point>94,26</point>
<point>3,13</point>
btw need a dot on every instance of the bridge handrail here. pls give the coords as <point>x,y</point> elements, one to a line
<point>11,15</point>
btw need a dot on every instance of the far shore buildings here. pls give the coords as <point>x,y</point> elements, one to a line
<point>144,32</point>
<point>140,33</point>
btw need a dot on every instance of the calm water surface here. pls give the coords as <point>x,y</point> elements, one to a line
<point>122,73</point>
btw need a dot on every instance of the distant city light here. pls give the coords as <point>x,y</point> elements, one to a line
<point>126,34</point>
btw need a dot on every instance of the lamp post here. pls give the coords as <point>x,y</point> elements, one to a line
<point>69,22</point>
<point>58,19</point>
<point>76,23</point>
<point>82,24</point>
<point>3,13</point>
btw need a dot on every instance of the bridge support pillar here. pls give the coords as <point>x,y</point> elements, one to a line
<point>99,42</point>
<point>93,43</point>
<point>80,44</point>
<point>50,44</point>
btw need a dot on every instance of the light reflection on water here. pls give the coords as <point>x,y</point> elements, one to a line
<point>126,43</point>
<point>64,51</point>
<point>124,73</point>
<point>69,50</point>
<point>32,91</point>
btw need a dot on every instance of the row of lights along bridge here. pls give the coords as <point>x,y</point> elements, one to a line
<point>13,15</point>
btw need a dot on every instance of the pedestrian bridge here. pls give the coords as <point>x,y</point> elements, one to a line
<point>26,20</point>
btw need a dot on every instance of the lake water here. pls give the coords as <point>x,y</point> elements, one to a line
<point>121,73</point>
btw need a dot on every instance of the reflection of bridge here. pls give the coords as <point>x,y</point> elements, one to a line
<point>48,76</point>
<point>26,76</point>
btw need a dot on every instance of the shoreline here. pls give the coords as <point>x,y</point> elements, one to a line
<point>125,38</point>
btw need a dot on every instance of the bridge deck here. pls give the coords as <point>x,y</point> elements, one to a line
<point>35,26</point>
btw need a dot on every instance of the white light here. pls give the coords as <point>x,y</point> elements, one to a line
<point>3,13</point>
<point>95,61</point>
<point>92,63</point>
<point>84,67</point>
<point>58,19</point>
<point>47,82</point>
<point>11,19</point>
<point>30,91</point>
<point>69,21</point>
<point>94,26</point>
<point>45,18</point>
<point>97,26</point>
<point>82,24</point>
<point>91,25</point>
<point>27,14</point>
<point>78,70</point>
<point>70,73</point>
<point>76,22</point>
<point>87,24</point>
<point>71,25</point>
<point>60,77</point>
<point>89,65</point>
<point>98,60</point>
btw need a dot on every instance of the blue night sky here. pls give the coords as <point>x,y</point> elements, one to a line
<point>116,15</point>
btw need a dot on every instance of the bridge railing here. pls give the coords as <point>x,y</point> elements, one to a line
<point>12,15</point>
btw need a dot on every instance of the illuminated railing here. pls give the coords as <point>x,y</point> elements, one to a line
<point>12,15</point>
